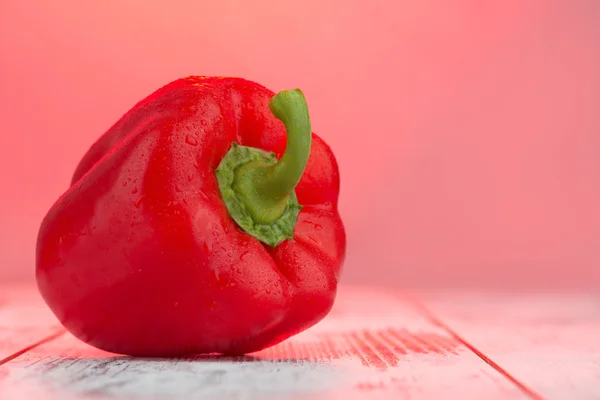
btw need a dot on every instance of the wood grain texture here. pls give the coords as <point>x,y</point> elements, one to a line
<point>24,321</point>
<point>372,346</point>
<point>550,341</point>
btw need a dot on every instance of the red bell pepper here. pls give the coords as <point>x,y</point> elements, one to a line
<point>196,225</point>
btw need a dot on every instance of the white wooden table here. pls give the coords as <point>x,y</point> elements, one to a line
<point>374,345</point>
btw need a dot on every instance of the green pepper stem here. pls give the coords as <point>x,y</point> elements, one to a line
<point>266,188</point>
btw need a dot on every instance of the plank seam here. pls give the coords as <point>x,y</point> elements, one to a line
<point>32,346</point>
<point>439,323</point>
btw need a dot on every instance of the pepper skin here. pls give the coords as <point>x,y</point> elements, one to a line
<point>142,256</point>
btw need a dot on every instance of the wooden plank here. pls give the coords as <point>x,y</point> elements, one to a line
<point>24,321</point>
<point>550,341</point>
<point>372,346</point>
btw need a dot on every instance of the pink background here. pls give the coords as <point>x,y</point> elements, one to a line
<point>467,132</point>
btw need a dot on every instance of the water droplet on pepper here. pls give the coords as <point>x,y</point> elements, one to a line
<point>138,203</point>
<point>189,139</point>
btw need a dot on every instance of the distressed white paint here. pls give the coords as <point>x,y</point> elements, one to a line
<point>549,341</point>
<point>420,362</point>
<point>23,319</point>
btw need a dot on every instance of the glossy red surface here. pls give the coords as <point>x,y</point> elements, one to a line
<point>140,256</point>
